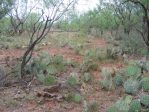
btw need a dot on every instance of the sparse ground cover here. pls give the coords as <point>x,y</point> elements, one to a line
<point>17,99</point>
<point>54,59</point>
<point>89,80</point>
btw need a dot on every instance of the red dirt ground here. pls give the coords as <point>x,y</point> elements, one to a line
<point>103,97</point>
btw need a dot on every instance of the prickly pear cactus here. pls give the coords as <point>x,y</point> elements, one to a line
<point>118,80</point>
<point>121,105</point>
<point>147,66</point>
<point>133,71</point>
<point>112,109</point>
<point>131,86</point>
<point>107,84</point>
<point>144,84</point>
<point>144,98</point>
<point>135,106</point>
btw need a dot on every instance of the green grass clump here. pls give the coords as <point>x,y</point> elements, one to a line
<point>73,97</point>
<point>91,107</point>
<point>87,77</point>
<point>47,80</point>
<point>73,79</point>
<point>88,65</point>
<point>77,98</point>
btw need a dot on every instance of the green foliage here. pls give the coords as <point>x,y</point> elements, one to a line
<point>88,65</point>
<point>77,98</point>
<point>73,79</point>
<point>112,109</point>
<point>144,83</point>
<point>107,81</point>
<point>144,98</point>
<point>73,97</point>
<point>4,25</point>
<point>50,64</point>
<point>31,20</point>
<point>107,84</point>
<point>87,77</point>
<point>114,52</point>
<point>46,80</point>
<point>131,86</point>
<point>91,107</point>
<point>118,80</point>
<point>135,106</point>
<point>133,71</point>
<point>49,80</point>
<point>93,54</point>
<point>5,7</point>
<point>45,67</point>
<point>132,44</point>
<point>106,73</point>
<point>121,105</point>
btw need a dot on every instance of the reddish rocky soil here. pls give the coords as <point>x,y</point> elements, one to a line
<point>15,99</point>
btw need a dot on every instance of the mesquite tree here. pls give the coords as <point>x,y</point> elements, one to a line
<point>49,11</point>
<point>144,8</point>
<point>5,7</point>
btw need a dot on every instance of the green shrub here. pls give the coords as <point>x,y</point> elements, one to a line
<point>114,52</point>
<point>73,97</point>
<point>94,54</point>
<point>50,80</point>
<point>131,86</point>
<point>47,80</point>
<point>73,79</point>
<point>88,65</point>
<point>132,44</point>
<point>87,77</point>
<point>77,98</point>
<point>91,107</point>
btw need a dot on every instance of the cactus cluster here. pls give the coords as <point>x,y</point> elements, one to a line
<point>45,67</point>
<point>121,105</point>
<point>133,82</point>
<point>126,104</point>
<point>131,86</point>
